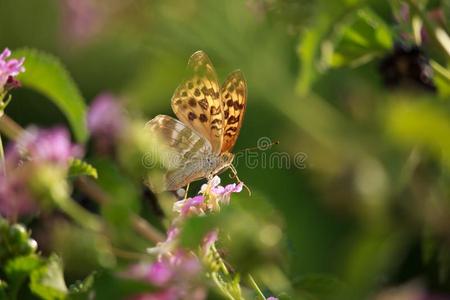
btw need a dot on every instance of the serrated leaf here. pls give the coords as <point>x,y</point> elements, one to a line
<point>47,281</point>
<point>46,74</point>
<point>79,167</point>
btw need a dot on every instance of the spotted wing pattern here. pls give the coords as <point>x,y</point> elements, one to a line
<point>234,101</point>
<point>197,103</point>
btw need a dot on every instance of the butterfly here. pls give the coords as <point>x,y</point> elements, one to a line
<point>210,117</point>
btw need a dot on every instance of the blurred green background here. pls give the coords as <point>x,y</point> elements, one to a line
<point>371,207</point>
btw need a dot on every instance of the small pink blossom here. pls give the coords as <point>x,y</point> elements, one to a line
<point>190,206</point>
<point>168,245</point>
<point>83,19</point>
<point>9,68</point>
<point>272,298</point>
<point>219,193</point>
<point>209,240</point>
<point>105,117</point>
<point>175,274</point>
<point>45,145</point>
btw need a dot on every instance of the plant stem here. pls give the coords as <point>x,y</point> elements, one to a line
<point>10,128</point>
<point>438,69</point>
<point>79,214</point>
<point>140,225</point>
<point>256,287</point>
<point>431,28</point>
<point>2,158</point>
<point>221,287</point>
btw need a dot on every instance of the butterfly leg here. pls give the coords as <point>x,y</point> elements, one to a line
<point>187,191</point>
<point>233,169</point>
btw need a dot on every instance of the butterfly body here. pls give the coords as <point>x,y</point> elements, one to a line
<point>199,144</point>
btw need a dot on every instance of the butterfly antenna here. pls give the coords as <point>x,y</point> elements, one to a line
<point>233,169</point>
<point>266,147</point>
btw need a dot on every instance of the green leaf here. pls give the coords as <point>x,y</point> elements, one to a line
<point>81,289</point>
<point>420,123</point>
<point>122,287</point>
<point>195,229</point>
<point>79,167</point>
<point>18,269</point>
<point>318,284</point>
<point>362,37</point>
<point>48,281</point>
<point>47,75</point>
<point>21,266</point>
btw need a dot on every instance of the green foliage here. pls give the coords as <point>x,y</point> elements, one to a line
<point>47,75</point>
<point>26,271</point>
<point>362,37</point>
<point>122,287</point>
<point>377,166</point>
<point>47,281</point>
<point>79,168</point>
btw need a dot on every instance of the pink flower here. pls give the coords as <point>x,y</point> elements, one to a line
<point>22,160</point>
<point>15,198</point>
<point>168,294</point>
<point>213,194</point>
<point>105,117</point>
<point>189,206</point>
<point>83,19</point>
<point>46,145</point>
<point>176,274</point>
<point>9,68</point>
<point>220,193</point>
<point>209,240</point>
<point>272,298</point>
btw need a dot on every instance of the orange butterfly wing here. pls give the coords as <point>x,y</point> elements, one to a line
<point>234,102</point>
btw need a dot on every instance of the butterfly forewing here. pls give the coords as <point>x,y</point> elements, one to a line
<point>197,102</point>
<point>234,101</point>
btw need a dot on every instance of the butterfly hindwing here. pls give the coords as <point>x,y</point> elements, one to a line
<point>180,144</point>
<point>197,102</point>
<point>234,101</point>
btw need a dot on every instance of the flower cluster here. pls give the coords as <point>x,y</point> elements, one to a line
<point>45,146</point>
<point>8,70</point>
<point>212,196</point>
<point>45,153</point>
<point>176,276</point>
<point>176,271</point>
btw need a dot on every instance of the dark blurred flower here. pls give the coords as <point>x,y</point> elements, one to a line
<point>409,291</point>
<point>9,69</point>
<point>407,64</point>
<point>175,274</point>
